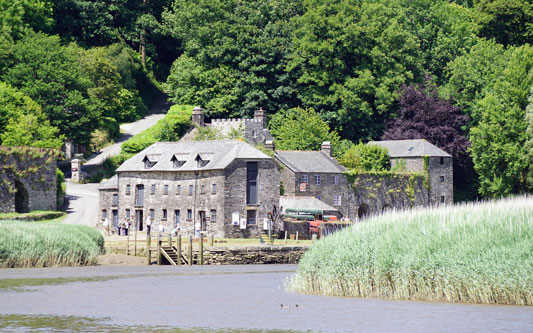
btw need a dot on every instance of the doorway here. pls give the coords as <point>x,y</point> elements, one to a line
<point>22,198</point>
<point>139,220</point>
<point>203,224</point>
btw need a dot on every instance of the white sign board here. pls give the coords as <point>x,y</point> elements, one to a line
<point>243,223</point>
<point>235,218</point>
<point>265,224</point>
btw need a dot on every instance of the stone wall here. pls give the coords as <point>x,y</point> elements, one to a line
<point>235,196</point>
<point>105,198</point>
<point>440,180</point>
<point>196,201</point>
<point>253,255</point>
<point>375,193</point>
<point>27,179</point>
<point>301,227</point>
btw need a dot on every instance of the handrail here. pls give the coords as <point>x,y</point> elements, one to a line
<point>165,254</point>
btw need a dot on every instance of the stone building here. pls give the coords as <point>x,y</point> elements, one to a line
<point>421,156</point>
<point>226,185</point>
<point>27,179</point>
<point>253,131</point>
<point>315,174</point>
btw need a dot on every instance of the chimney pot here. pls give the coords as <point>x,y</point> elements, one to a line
<point>326,148</point>
<point>198,116</point>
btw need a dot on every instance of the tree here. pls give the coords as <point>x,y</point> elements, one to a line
<point>18,16</point>
<point>509,22</point>
<point>529,142</point>
<point>499,141</point>
<point>361,158</point>
<point>350,58</point>
<point>22,122</point>
<point>303,129</point>
<point>51,75</point>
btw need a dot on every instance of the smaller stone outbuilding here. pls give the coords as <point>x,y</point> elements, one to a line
<point>421,156</point>
<point>27,179</point>
<point>108,199</point>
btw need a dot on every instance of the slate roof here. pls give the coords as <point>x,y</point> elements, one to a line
<point>294,202</point>
<point>309,161</point>
<point>411,148</point>
<point>109,184</point>
<point>220,154</point>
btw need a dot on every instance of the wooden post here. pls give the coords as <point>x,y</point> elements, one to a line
<point>148,251</point>
<point>178,247</point>
<point>190,249</point>
<point>201,251</point>
<point>211,239</point>
<point>169,240</point>
<point>285,236</point>
<point>159,249</point>
<point>296,237</point>
<point>135,244</point>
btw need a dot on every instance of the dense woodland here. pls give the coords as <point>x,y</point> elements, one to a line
<point>458,73</point>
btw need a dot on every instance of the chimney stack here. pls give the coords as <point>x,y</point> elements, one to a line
<point>326,148</point>
<point>261,115</point>
<point>198,116</point>
<point>269,144</point>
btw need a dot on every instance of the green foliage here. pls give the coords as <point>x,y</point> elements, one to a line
<point>22,122</point>
<point>498,142</point>
<point>33,244</point>
<point>302,129</point>
<point>207,133</point>
<point>529,142</point>
<point>400,166</point>
<point>20,16</point>
<point>361,158</point>
<point>464,253</point>
<point>171,128</point>
<point>61,186</point>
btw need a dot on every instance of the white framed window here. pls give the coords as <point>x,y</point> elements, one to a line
<point>152,214</point>
<point>190,189</point>
<point>115,199</point>
<point>128,214</point>
<point>178,190</point>
<point>189,214</point>
<point>337,200</point>
<point>153,189</point>
<point>213,215</point>
<point>202,189</point>
<point>165,190</point>
<point>214,189</point>
<point>336,180</point>
<point>317,179</point>
<point>128,189</point>
<point>165,214</point>
<point>305,179</point>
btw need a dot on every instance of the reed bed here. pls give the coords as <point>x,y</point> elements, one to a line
<point>471,253</point>
<point>36,244</point>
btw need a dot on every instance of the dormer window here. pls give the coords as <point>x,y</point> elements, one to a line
<point>203,159</point>
<point>150,160</point>
<point>178,160</point>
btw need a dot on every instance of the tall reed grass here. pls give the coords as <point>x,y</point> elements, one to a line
<point>35,244</point>
<point>474,253</point>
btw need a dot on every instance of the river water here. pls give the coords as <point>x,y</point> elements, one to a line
<point>218,298</point>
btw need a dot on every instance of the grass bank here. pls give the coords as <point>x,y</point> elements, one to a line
<point>39,244</point>
<point>473,253</point>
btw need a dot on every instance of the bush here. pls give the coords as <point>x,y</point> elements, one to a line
<point>171,128</point>
<point>61,187</point>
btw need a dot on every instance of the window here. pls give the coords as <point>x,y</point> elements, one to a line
<point>104,213</point>
<point>251,183</point>
<point>190,189</point>
<point>189,214</point>
<point>165,190</point>
<point>305,179</point>
<point>177,163</point>
<point>153,189</point>
<point>115,199</point>
<point>317,179</point>
<point>442,179</point>
<point>442,198</point>
<point>128,214</point>
<point>251,216</point>
<point>202,189</point>
<point>178,190</point>
<point>128,189</point>
<point>336,200</point>
<point>213,215</point>
<point>164,214</point>
<point>139,197</point>
<point>442,160</point>
<point>336,180</point>
<point>152,214</point>
<point>214,189</point>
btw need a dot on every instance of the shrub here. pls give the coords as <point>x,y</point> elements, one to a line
<point>363,157</point>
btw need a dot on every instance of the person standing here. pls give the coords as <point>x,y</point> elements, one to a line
<point>126,226</point>
<point>161,228</point>
<point>148,225</point>
<point>197,227</point>
<point>106,226</point>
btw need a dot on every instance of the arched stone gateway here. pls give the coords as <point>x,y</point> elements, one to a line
<point>363,210</point>
<point>22,198</point>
